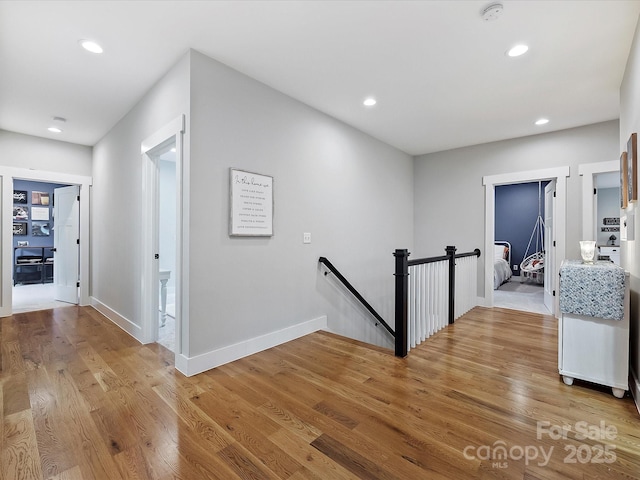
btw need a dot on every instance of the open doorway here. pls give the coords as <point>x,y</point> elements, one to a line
<point>524,222</point>
<point>607,216</point>
<point>44,258</point>
<point>601,207</point>
<point>163,255</point>
<point>83,184</point>
<point>167,245</point>
<point>558,244</point>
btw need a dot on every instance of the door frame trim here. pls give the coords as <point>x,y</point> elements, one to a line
<point>559,174</point>
<point>8,175</point>
<point>548,277</point>
<point>587,171</point>
<point>150,266</point>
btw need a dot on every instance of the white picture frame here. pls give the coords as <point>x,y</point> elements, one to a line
<point>250,204</point>
<point>39,213</point>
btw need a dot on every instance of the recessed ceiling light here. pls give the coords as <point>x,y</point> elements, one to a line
<point>542,121</point>
<point>369,102</point>
<point>91,46</point>
<point>518,50</point>
<point>54,129</point>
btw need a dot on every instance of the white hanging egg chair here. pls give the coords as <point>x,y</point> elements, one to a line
<point>532,267</point>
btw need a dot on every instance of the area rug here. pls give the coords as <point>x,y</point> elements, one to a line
<point>526,296</point>
<point>514,285</point>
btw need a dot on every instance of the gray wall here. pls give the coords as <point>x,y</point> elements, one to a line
<point>35,153</point>
<point>116,217</point>
<point>351,192</point>
<point>629,123</point>
<point>449,195</point>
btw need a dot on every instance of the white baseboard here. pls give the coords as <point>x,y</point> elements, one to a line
<point>181,363</point>
<point>193,365</point>
<point>481,302</point>
<point>125,324</point>
<point>634,388</point>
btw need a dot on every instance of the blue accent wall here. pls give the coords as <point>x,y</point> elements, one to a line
<point>516,212</point>
<point>29,187</point>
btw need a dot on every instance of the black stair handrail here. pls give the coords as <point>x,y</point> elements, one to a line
<point>422,261</point>
<point>356,294</point>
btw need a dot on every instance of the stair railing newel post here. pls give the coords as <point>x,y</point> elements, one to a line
<point>402,300</point>
<point>451,253</point>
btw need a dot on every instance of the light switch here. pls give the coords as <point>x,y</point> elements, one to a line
<point>306,237</point>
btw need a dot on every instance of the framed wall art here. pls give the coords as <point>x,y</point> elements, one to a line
<point>39,213</point>
<point>632,168</point>
<point>250,204</point>
<point>19,228</point>
<point>20,212</point>
<point>39,198</point>
<point>20,196</point>
<point>40,229</point>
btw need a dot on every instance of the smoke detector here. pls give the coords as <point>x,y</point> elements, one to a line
<point>492,12</point>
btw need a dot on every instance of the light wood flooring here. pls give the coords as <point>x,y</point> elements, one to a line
<point>80,399</point>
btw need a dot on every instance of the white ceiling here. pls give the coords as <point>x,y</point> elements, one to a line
<point>439,71</point>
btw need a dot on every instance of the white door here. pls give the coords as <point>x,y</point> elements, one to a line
<point>549,245</point>
<point>66,238</point>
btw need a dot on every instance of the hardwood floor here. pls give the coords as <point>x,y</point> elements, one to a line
<point>80,399</point>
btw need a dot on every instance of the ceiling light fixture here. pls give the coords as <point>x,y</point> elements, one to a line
<point>369,102</point>
<point>91,46</point>
<point>54,130</point>
<point>517,50</point>
<point>542,121</point>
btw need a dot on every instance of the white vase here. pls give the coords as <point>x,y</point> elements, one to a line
<point>587,250</point>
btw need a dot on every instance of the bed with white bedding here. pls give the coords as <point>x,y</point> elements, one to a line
<point>501,263</point>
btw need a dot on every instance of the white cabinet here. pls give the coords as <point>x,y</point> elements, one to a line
<point>609,253</point>
<point>592,348</point>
